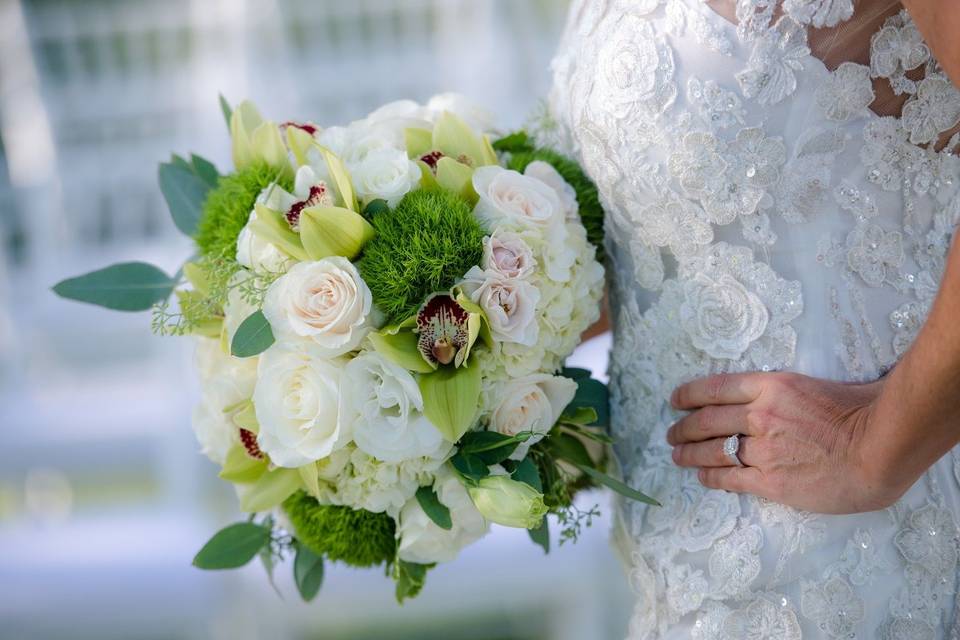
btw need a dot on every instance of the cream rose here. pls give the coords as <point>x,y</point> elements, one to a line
<point>422,541</point>
<point>721,316</point>
<point>508,254</point>
<point>545,173</point>
<point>296,400</point>
<point>532,403</point>
<point>325,304</point>
<point>257,254</point>
<point>385,173</point>
<point>382,403</point>
<point>510,305</point>
<point>508,197</point>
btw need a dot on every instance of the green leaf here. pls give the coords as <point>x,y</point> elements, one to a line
<point>205,170</point>
<point>253,336</point>
<point>410,579</point>
<point>579,415</point>
<point>233,546</point>
<point>270,490</point>
<point>526,471</point>
<point>541,535</point>
<point>450,399</point>
<point>376,207</point>
<point>128,286</point>
<point>436,510</point>
<point>226,109</point>
<point>307,572</point>
<point>575,373</point>
<point>569,448</point>
<point>514,143</point>
<point>470,466</point>
<point>401,349</point>
<point>184,192</point>
<point>489,446</point>
<point>617,486</point>
<point>593,394</point>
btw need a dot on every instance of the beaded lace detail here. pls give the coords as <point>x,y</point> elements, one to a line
<point>763,216</point>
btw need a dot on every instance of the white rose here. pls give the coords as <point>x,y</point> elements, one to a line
<point>385,173</point>
<point>532,403</point>
<point>510,305</point>
<point>406,109</point>
<point>545,172</point>
<point>506,253</point>
<point>382,403</point>
<point>324,303</point>
<point>296,400</point>
<point>474,115</point>
<point>422,541</point>
<point>225,382</point>
<point>525,204</point>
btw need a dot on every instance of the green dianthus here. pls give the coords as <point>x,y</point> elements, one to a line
<point>228,206</point>
<point>425,245</point>
<point>591,213</point>
<point>354,536</point>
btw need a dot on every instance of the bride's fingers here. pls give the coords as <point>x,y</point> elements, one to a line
<point>709,453</point>
<point>724,388</point>
<point>710,422</point>
<point>735,479</point>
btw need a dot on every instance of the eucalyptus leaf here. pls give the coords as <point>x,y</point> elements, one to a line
<point>618,486</point>
<point>233,546</point>
<point>184,192</point>
<point>541,535</point>
<point>128,286</point>
<point>253,336</point>
<point>410,579</point>
<point>436,510</point>
<point>205,170</point>
<point>307,572</point>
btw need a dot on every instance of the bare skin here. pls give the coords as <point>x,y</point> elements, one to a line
<point>833,447</point>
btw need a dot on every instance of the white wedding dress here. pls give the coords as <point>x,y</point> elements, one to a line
<point>760,216</point>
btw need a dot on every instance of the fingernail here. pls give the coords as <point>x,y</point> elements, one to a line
<point>702,475</point>
<point>676,453</point>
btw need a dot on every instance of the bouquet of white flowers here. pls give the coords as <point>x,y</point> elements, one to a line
<point>383,312</point>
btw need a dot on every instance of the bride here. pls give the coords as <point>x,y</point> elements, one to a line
<point>781,182</point>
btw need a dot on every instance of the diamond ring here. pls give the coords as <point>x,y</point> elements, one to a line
<point>731,446</point>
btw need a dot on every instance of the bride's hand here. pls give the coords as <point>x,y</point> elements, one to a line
<point>803,440</point>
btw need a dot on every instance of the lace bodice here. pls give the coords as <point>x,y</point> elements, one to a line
<point>763,215</point>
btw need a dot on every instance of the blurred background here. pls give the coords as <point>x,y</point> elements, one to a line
<point>103,496</point>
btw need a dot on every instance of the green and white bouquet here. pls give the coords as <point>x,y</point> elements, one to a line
<point>383,311</point>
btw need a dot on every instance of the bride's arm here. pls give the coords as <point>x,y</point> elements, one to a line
<point>939,24</point>
<point>826,446</point>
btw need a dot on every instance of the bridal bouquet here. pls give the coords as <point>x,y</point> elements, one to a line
<point>383,311</point>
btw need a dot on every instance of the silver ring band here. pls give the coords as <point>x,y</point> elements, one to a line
<point>731,447</point>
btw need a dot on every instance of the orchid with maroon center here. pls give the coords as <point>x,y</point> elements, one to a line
<point>249,441</point>
<point>444,331</point>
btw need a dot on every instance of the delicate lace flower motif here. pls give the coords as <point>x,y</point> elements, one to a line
<point>856,201</point>
<point>744,317</point>
<point>871,251</point>
<point>886,152</point>
<point>762,619</point>
<point>807,176</point>
<point>676,223</point>
<point>897,48</point>
<point>777,55</point>
<point>936,108</point>
<point>833,605</point>
<point>735,560</point>
<point>907,629</point>
<point>686,588</point>
<point>729,180</point>
<point>721,316</point>
<point>929,540</point>
<point>819,13</point>
<point>717,106</point>
<point>648,269</point>
<point>634,71</point>
<point>846,93</point>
